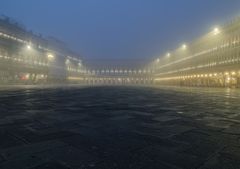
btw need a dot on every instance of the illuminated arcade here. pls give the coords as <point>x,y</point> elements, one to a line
<point>212,60</point>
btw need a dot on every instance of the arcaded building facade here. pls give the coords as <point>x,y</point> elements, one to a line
<point>212,60</point>
<point>27,58</point>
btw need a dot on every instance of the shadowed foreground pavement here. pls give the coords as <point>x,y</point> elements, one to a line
<point>119,127</point>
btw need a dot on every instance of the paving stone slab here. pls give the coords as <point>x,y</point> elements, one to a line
<point>173,128</point>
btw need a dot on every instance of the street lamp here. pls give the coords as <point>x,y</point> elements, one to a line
<point>216,31</point>
<point>168,55</point>
<point>50,57</point>
<point>184,46</point>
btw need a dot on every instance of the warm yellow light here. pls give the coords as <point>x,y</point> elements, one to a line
<point>50,56</point>
<point>184,46</point>
<point>168,54</point>
<point>216,31</point>
<point>76,78</point>
<point>27,76</point>
<point>28,47</point>
<point>233,73</point>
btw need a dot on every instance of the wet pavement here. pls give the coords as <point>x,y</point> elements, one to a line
<point>119,127</point>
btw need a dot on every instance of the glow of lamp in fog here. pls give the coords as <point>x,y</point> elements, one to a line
<point>50,56</point>
<point>184,46</point>
<point>216,31</point>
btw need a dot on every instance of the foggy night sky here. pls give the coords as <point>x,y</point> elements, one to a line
<point>129,31</point>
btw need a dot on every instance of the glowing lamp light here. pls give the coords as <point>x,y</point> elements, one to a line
<point>216,31</point>
<point>50,56</point>
<point>184,46</point>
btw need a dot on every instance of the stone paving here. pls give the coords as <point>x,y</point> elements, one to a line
<point>119,128</point>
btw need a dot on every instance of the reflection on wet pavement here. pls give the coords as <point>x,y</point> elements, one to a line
<point>119,127</point>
